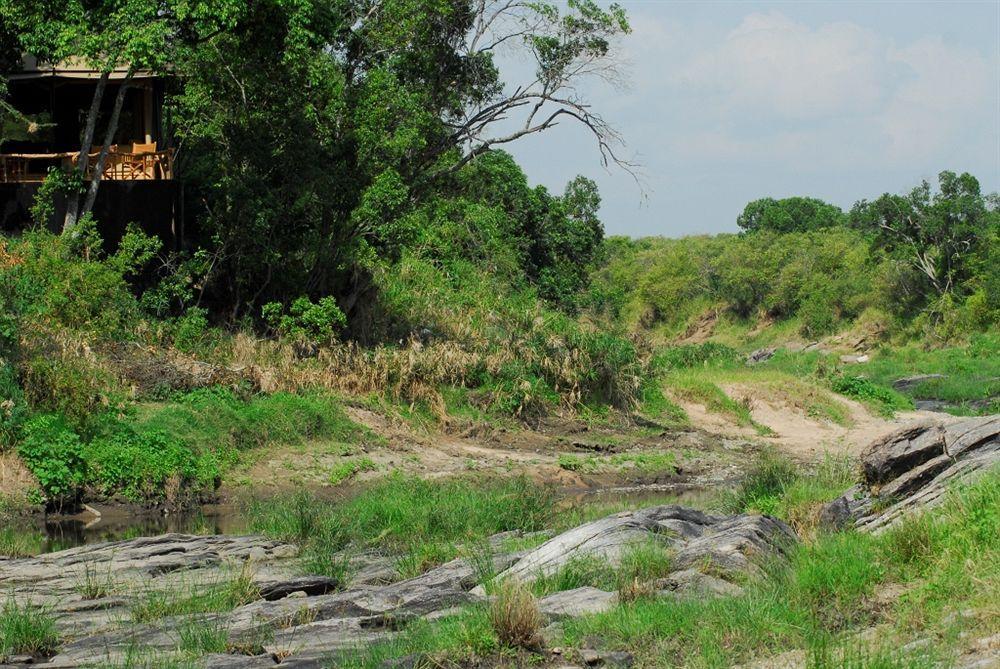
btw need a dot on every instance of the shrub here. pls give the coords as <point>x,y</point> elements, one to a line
<point>306,320</point>
<point>515,617</point>
<point>191,331</point>
<point>13,410</point>
<point>54,454</point>
<point>146,464</point>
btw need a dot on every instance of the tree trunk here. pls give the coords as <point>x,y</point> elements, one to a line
<point>73,199</point>
<point>95,181</point>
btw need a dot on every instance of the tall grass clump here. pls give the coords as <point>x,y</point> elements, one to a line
<point>26,629</point>
<point>776,486</point>
<point>515,617</point>
<point>406,516</point>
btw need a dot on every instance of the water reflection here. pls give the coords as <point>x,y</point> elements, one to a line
<point>58,533</point>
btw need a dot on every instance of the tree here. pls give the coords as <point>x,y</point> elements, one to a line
<point>935,233</point>
<point>793,214</point>
<point>318,128</point>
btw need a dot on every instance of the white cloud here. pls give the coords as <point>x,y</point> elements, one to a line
<point>948,87</point>
<point>776,89</point>
<point>772,65</point>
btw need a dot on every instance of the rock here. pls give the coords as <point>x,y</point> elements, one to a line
<point>911,469</point>
<point>577,602</point>
<point>854,359</point>
<point>224,661</point>
<point>308,623</point>
<point>910,382</point>
<point>760,355</point>
<point>612,658</point>
<point>693,583</point>
<point>732,545</point>
<point>307,585</point>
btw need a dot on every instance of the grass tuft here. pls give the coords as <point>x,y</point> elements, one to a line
<point>26,629</point>
<point>515,617</point>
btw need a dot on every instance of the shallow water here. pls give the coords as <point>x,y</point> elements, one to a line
<point>49,534</point>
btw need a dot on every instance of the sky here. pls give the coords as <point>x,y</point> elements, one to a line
<point>726,102</point>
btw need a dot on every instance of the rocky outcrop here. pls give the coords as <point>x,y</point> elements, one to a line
<point>95,591</point>
<point>731,544</point>
<point>912,468</point>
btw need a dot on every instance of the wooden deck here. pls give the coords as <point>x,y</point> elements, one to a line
<point>119,165</point>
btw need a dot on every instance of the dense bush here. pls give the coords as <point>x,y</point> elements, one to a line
<point>54,454</point>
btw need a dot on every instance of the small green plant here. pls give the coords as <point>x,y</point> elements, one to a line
<point>763,485</point>
<point>27,629</point>
<point>350,468</point>
<point>193,598</point>
<point>200,636</point>
<point>95,583</point>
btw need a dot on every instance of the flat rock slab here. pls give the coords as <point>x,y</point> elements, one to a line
<point>912,468</point>
<point>576,602</point>
<point>732,545</point>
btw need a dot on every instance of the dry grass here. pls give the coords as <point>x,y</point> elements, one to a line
<point>515,617</point>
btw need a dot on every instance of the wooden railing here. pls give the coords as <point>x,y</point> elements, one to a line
<point>118,166</point>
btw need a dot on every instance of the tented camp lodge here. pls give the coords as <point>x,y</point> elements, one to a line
<point>137,180</point>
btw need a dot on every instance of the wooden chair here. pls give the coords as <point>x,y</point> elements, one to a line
<point>143,161</point>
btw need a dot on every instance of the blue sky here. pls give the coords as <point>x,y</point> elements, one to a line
<point>725,102</point>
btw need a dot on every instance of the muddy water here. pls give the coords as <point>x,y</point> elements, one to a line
<point>115,523</point>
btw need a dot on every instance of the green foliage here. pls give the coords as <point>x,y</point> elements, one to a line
<point>13,410</point>
<point>26,629</point>
<point>143,465</point>
<point>793,214</point>
<point>306,320</point>
<point>406,516</point>
<point>939,235</point>
<point>54,454</point>
<point>885,400</point>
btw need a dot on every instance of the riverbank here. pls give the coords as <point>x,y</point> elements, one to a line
<point>489,572</point>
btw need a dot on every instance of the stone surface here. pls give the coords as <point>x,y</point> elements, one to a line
<point>760,355</point>
<point>910,382</point>
<point>576,602</point>
<point>730,543</point>
<point>912,468</point>
<point>308,621</point>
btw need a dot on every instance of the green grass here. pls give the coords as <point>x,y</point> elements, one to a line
<point>193,598</point>
<point>644,463</point>
<point>217,419</point>
<point>972,372</point>
<point>776,486</point>
<point>691,385</point>
<point>26,629</point>
<point>349,469</point>
<point>461,637</point>
<point>640,564</point>
<point>948,557</point>
<point>423,522</point>
<point>198,636</point>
